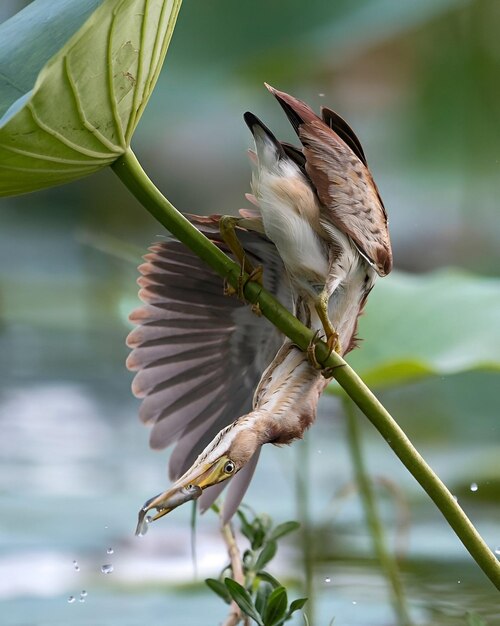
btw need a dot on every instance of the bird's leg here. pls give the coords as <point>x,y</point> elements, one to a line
<point>227,229</point>
<point>311,351</point>
<point>332,337</point>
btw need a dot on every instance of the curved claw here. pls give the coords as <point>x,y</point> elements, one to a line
<point>327,372</point>
<point>311,351</point>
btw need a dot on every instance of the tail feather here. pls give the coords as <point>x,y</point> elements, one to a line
<point>269,150</point>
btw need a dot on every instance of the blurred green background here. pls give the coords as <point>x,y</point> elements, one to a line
<point>419,83</point>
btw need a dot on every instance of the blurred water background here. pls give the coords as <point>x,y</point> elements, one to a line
<point>419,82</point>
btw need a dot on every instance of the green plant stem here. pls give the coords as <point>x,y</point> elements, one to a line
<point>387,561</point>
<point>302,481</point>
<point>235,615</point>
<point>133,176</point>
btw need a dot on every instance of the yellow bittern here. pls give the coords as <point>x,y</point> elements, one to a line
<point>321,235</point>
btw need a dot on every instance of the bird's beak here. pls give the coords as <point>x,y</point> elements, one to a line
<point>189,487</point>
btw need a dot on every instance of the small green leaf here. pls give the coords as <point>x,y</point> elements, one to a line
<point>296,606</point>
<point>284,529</point>
<point>275,609</point>
<point>219,588</point>
<point>266,555</point>
<point>243,599</point>
<point>264,590</point>
<point>269,578</point>
<point>259,535</point>
<point>246,528</point>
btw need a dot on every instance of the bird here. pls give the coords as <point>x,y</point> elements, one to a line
<point>187,325</point>
<point>320,230</point>
<point>319,204</point>
<point>197,354</point>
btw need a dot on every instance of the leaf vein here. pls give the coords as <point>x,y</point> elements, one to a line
<point>111,84</point>
<point>114,148</point>
<point>64,140</point>
<point>53,159</point>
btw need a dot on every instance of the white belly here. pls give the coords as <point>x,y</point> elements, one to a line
<point>288,208</point>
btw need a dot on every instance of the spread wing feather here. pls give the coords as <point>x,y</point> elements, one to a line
<point>198,354</point>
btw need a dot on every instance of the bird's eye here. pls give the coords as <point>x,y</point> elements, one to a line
<point>229,467</point>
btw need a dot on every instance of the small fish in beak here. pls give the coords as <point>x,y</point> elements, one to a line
<point>164,503</point>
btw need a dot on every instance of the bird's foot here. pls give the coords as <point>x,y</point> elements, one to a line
<point>227,227</point>
<point>256,274</point>
<point>333,345</point>
<point>311,351</point>
<point>333,342</point>
<point>329,372</point>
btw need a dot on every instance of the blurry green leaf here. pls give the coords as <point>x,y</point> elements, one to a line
<point>242,598</point>
<point>284,529</point>
<point>219,588</point>
<point>297,605</point>
<point>417,326</point>
<point>268,578</point>
<point>275,609</point>
<point>77,75</point>
<point>473,619</point>
<point>246,527</point>
<point>264,590</point>
<point>258,537</point>
<point>266,555</point>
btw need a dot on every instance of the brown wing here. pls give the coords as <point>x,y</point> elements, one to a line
<point>336,166</point>
<point>199,354</point>
<point>344,131</point>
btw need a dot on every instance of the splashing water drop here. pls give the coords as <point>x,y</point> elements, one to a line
<point>142,528</point>
<point>328,579</point>
<point>107,568</point>
<point>474,487</point>
<point>71,599</point>
<point>110,551</point>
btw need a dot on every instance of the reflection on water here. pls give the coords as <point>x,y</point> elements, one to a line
<point>75,466</point>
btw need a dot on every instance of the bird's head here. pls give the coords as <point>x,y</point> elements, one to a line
<point>231,449</point>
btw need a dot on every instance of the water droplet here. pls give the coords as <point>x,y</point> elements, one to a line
<point>143,527</point>
<point>474,487</point>
<point>354,602</point>
<point>321,95</point>
<point>455,498</point>
<point>110,551</point>
<point>83,594</point>
<point>459,581</point>
<point>76,566</point>
<point>328,579</point>
<point>81,599</point>
<point>497,550</point>
<point>107,568</point>
<point>71,599</point>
